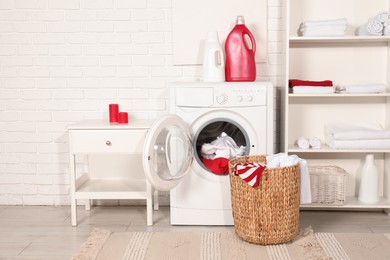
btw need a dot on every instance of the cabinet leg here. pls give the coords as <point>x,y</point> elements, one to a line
<point>73,207</point>
<point>88,205</point>
<point>387,211</point>
<point>155,199</point>
<point>73,201</point>
<point>149,204</point>
<point>149,210</point>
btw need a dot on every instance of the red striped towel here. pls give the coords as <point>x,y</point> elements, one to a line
<point>250,172</point>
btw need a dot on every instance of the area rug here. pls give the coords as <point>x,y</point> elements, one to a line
<point>174,245</point>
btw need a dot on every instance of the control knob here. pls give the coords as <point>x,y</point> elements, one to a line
<point>222,99</point>
<point>249,98</point>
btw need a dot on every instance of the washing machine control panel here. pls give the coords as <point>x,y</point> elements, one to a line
<point>240,97</point>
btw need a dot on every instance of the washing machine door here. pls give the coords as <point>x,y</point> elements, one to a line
<point>168,152</point>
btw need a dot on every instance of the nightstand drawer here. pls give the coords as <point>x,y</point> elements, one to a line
<point>107,141</point>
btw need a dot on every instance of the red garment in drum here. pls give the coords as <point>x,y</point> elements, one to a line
<point>218,165</point>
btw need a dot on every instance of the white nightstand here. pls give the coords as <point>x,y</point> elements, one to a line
<point>102,138</point>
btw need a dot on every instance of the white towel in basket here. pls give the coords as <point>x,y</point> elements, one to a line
<point>283,160</point>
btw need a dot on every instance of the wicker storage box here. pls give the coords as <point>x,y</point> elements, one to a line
<point>269,213</point>
<point>328,185</point>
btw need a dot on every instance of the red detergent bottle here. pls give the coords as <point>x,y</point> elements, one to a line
<point>240,48</point>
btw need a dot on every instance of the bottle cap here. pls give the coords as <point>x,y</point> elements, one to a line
<point>240,19</point>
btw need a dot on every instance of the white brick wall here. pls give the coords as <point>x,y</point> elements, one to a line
<point>63,61</point>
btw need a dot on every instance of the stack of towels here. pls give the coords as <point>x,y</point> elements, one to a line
<point>335,27</point>
<point>298,86</point>
<point>370,88</point>
<point>357,136</point>
<point>378,25</point>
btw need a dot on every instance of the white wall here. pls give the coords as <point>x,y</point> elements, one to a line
<point>63,61</point>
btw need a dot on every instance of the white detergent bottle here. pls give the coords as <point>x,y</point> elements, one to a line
<point>213,59</point>
<point>369,183</point>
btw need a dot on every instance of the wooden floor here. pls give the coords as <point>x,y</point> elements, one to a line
<point>44,232</point>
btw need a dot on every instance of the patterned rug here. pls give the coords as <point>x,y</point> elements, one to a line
<point>104,244</point>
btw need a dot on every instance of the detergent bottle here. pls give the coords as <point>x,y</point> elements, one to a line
<point>213,60</point>
<point>240,48</point>
<point>369,186</point>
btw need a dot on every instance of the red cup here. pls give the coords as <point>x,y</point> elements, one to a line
<point>114,111</point>
<point>123,118</point>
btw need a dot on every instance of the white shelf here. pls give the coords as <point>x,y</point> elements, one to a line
<point>353,202</point>
<point>106,125</point>
<point>326,149</point>
<point>338,95</point>
<point>341,39</point>
<point>112,189</point>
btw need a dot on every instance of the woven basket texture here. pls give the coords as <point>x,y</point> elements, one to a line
<point>328,185</point>
<point>269,213</point>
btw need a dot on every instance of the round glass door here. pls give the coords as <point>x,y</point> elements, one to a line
<point>168,152</point>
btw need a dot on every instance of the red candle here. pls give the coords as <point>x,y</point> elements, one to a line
<point>114,111</point>
<point>123,118</point>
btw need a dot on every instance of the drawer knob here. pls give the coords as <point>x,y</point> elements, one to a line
<point>108,143</point>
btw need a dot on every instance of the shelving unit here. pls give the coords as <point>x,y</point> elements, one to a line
<point>344,60</point>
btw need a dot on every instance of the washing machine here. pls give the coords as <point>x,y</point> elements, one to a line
<point>199,113</point>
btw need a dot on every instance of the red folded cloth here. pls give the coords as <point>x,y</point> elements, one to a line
<point>250,172</point>
<point>298,82</point>
<point>218,165</point>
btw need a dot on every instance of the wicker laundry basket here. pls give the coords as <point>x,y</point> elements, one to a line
<point>269,213</point>
<point>328,185</point>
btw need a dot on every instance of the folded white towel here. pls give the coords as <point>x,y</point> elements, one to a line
<point>355,131</point>
<point>360,144</point>
<point>325,28</point>
<point>283,160</point>
<point>362,88</point>
<point>335,22</point>
<point>364,136</point>
<point>312,90</point>
<point>335,27</point>
<point>315,142</point>
<point>338,32</point>
<point>303,143</point>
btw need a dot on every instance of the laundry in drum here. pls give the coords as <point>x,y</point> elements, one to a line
<point>216,155</point>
